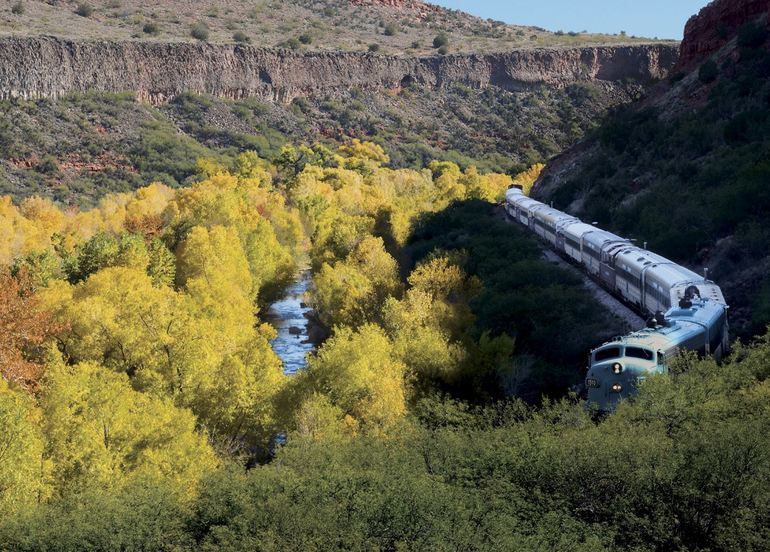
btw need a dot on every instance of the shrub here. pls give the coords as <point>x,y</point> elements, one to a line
<point>415,45</point>
<point>708,72</point>
<point>441,40</point>
<point>48,165</point>
<point>676,77</point>
<point>17,8</point>
<point>752,35</point>
<point>390,29</point>
<point>374,47</point>
<point>240,36</point>
<point>444,50</point>
<point>292,44</point>
<point>305,38</point>
<point>151,28</point>
<point>84,9</point>
<point>199,31</point>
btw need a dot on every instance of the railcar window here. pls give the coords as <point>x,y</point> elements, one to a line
<point>637,352</point>
<point>607,354</point>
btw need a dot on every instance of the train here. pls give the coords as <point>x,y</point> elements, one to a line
<point>685,311</point>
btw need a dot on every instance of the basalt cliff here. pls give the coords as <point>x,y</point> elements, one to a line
<point>46,67</point>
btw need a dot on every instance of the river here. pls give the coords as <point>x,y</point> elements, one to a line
<point>289,317</point>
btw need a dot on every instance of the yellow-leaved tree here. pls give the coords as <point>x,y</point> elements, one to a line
<point>100,432</point>
<point>208,356</point>
<point>23,471</point>
<point>528,178</point>
<point>353,291</point>
<point>356,382</point>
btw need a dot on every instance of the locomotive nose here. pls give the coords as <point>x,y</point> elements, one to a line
<point>607,385</point>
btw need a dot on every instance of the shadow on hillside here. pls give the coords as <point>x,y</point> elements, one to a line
<point>552,317</point>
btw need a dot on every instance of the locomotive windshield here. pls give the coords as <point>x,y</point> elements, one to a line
<point>607,354</point>
<point>638,352</point>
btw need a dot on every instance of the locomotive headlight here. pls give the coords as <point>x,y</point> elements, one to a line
<point>617,388</point>
<point>617,368</point>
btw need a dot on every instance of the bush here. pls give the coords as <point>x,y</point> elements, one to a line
<point>240,36</point>
<point>676,77</point>
<point>390,29</point>
<point>84,9</point>
<point>441,40</point>
<point>199,31</point>
<point>708,72</point>
<point>374,48</point>
<point>752,35</point>
<point>48,165</point>
<point>305,38</point>
<point>151,28</point>
<point>292,44</point>
<point>17,8</point>
<point>443,50</point>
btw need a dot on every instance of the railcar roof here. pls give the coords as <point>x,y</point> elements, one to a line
<point>578,228</point>
<point>600,236</point>
<point>684,324</point>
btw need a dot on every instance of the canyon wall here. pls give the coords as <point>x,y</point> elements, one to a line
<point>715,26</point>
<point>47,67</point>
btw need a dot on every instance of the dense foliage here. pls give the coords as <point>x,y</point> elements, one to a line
<point>681,468</point>
<point>141,401</point>
<point>519,295</point>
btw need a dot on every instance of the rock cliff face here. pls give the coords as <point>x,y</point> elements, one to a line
<point>50,67</point>
<point>715,25</point>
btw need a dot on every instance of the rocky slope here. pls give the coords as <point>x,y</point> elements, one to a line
<point>33,68</point>
<point>686,168</point>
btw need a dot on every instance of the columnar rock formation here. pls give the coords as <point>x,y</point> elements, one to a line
<point>49,67</point>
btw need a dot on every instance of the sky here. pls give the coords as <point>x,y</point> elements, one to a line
<point>649,18</point>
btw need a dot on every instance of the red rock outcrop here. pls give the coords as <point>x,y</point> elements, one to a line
<point>714,26</point>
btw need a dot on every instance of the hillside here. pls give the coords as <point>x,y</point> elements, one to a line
<point>395,26</point>
<point>686,170</point>
<point>109,96</point>
<point>94,117</point>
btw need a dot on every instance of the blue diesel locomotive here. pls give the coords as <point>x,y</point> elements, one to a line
<point>695,310</point>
